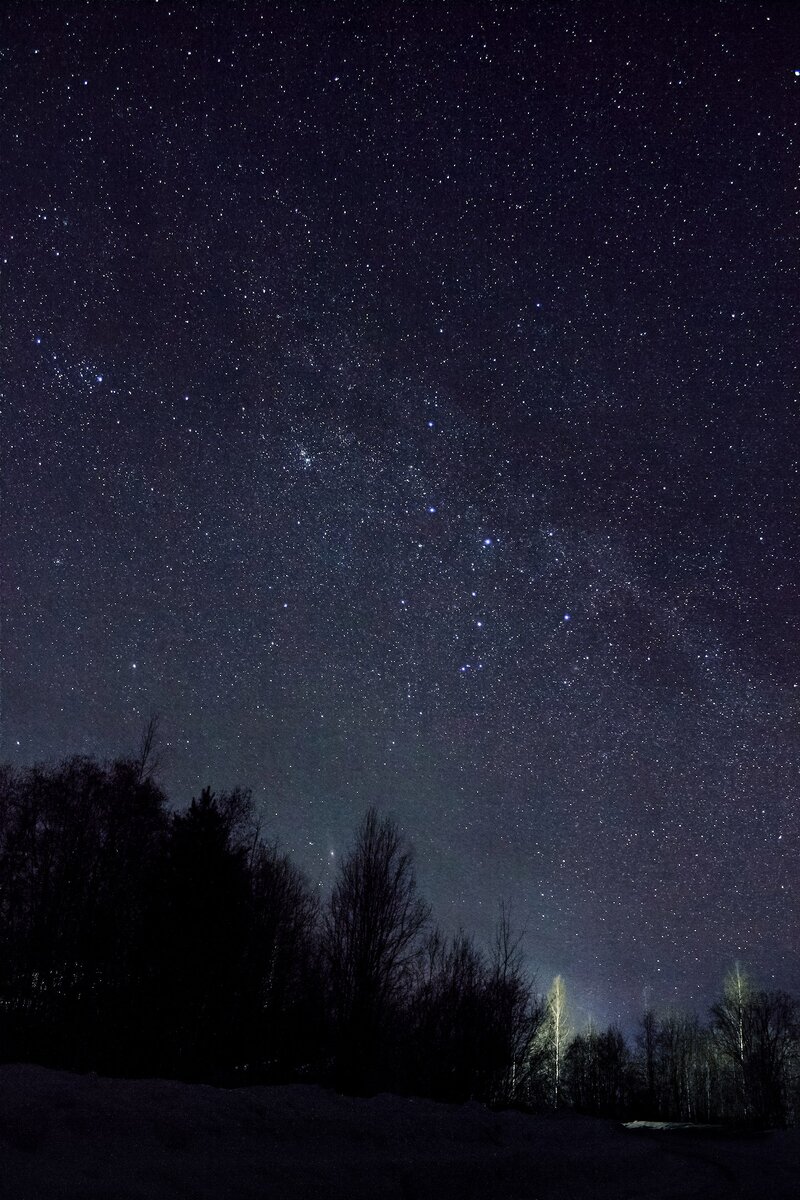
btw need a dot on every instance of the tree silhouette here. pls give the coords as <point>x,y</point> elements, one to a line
<point>283,964</point>
<point>772,1019</point>
<point>134,940</point>
<point>372,935</point>
<point>757,1033</point>
<point>518,1015</point>
<point>648,1047</point>
<point>78,851</point>
<point>474,1020</point>
<point>596,1074</point>
<point>451,1021</point>
<point>199,937</point>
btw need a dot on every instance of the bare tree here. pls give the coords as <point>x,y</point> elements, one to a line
<point>283,959</point>
<point>730,1023</point>
<point>773,1028</point>
<point>597,1072</point>
<point>148,761</point>
<point>680,1065</point>
<point>648,1046</point>
<point>519,1014</point>
<point>558,1032</point>
<point>452,1014</point>
<point>757,1034</point>
<point>372,932</point>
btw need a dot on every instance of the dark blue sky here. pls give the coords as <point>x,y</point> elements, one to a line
<point>402,400</point>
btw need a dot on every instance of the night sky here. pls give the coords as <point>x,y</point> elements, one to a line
<point>402,401</point>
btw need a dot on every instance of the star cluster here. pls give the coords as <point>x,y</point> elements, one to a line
<point>401,401</point>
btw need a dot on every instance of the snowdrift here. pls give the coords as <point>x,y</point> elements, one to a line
<point>85,1138</point>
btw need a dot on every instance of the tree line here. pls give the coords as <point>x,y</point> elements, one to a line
<point>138,940</point>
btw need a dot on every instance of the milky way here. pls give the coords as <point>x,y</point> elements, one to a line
<point>401,401</point>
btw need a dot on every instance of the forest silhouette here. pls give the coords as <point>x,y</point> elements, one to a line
<point>136,940</point>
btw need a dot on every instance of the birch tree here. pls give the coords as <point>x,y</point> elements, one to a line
<point>730,1024</point>
<point>558,1033</point>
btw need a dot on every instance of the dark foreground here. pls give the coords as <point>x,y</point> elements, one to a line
<point>86,1138</point>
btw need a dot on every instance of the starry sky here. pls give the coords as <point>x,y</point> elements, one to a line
<point>401,400</point>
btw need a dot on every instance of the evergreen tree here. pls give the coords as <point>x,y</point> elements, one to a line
<point>199,938</point>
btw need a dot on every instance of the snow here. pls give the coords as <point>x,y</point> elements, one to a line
<point>674,1126</point>
<point>85,1138</point>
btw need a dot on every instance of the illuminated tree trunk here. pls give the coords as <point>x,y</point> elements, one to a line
<point>731,1023</point>
<point>559,1032</point>
<point>737,995</point>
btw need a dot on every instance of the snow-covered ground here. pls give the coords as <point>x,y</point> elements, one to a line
<point>86,1138</point>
